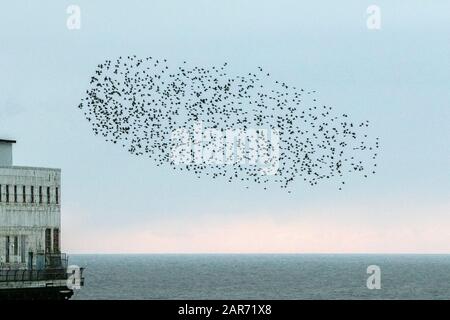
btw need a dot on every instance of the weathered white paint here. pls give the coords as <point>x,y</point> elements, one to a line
<point>33,284</point>
<point>30,218</point>
<point>6,154</point>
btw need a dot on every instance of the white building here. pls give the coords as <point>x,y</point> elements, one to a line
<point>30,213</point>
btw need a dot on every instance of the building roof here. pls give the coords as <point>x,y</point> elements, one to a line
<point>27,168</point>
<point>7,141</point>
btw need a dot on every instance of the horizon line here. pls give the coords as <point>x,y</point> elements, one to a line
<point>258,253</point>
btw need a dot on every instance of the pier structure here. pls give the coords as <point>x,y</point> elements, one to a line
<point>31,262</point>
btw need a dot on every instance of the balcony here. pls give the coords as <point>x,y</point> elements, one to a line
<point>49,270</point>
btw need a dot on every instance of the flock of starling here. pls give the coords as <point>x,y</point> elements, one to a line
<point>139,102</point>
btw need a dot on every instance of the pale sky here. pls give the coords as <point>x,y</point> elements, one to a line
<point>397,77</point>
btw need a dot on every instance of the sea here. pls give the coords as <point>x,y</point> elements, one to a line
<point>263,276</point>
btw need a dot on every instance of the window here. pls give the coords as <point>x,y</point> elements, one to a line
<point>40,194</point>
<point>16,245</point>
<point>48,240</point>
<point>48,195</point>
<point>24,195</point>
<point>57,195</point>
<point>15,194</point>
<point>7,249</point>
<point>7,193</point>
<point>56,240</point>
<point>22,248</point>
<point>32,194</point>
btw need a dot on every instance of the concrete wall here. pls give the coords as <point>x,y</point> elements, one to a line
<point>6,154</point>
<point>27,217</point>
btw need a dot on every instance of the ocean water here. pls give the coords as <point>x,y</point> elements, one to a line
<point>268,276</point>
